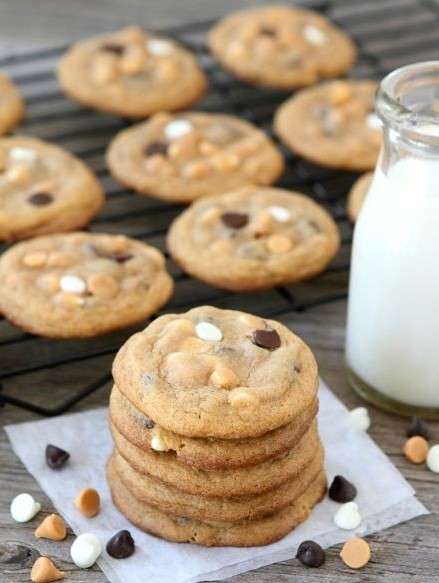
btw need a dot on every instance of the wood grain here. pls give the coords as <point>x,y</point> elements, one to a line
<point>403,554</point>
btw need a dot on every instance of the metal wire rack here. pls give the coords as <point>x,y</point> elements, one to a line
<point>388,33</point>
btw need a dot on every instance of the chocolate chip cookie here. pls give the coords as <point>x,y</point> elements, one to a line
<point>227,483</point>
<point>182,157</point>
<point>205,454</point>
<point>131,73</point>
<point>357,194</point>
<point>283,47</point>
<point>183,529</point>
<point>81,284</point>
<point>43,189</point>
<point>217,373</point>
<point>234,509</point>
<point>333,124</point>
<point>11,105</point>
<point>253,238</point>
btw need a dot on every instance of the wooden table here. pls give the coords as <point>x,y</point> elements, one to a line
<point>408,552</point>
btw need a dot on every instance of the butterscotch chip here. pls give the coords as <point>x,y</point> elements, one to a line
<point>207,148</point>
<point>225,161</point>
<point>159,166</point>
<point>88,502</point>
<point>44,571</point>
<point>133,61</point>
<point>340,92</point>
<point>224,377</point>
<point>197,169</point>
<point>279,244</point>
<point>53,527</point>
<point>35,259</point>
<point>416,449</point>
<point>355,553</point>
<point>68,300</point>
<point>61,259</point>
<point>103,286</point>
<point>18,174</point>
<point>49,282</point>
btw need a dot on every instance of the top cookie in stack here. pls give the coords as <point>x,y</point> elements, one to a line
<point>213,418</point>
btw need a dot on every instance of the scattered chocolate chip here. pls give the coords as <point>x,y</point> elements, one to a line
<point>148,423</point>
<point>341,490</point>
<point>234,220</point>
<point>418,427</point>
<point>115,48</point>
<point>121,545</point>
<point>56,457</point>
<point>310,554</point>
<point>268,339</point>
<point>40,199</point>
<point>267,31</point>
<point>156,148</point>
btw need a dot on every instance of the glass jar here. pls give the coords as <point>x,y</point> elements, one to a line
<point>392,346</point>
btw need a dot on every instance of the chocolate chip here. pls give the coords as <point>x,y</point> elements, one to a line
<point>156,148</point>
<point>121,545</point>
<point>418,427</point>
<point>118,257</point>
<point>341,490</point>
<point>268,339</point>
<point>56,457</point>
<point>114,48</point>
<point>234,220</point>
<point>148,423</point>
<point>267,31</point>
<point>310,554</point>
<point>40,199</point>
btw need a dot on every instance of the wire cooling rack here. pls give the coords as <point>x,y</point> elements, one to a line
<point>388,33</point>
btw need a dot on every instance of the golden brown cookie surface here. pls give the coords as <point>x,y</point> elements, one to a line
<point>253,238</point>
<point>81,284</point>
<point>357,194</point>
<point>43,189</point>
<point>131,73</point>
<point>281,46</point>
<point>183,157</point>
<point>332,124</point>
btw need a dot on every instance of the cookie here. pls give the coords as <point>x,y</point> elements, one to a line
<point>282,47</point>
<point>207,454</point>
<point>172,501</point>
<point>333,124</point>
<point>357,194</point>
<point>131,73</point>
<point>217,373</point>
<point>253,238</point>
<point>11,105</point>
<point>183,529</point>
<point>244,481</point>
<point>81,284</point>
<point>180,158</point>
<point>43,189</point>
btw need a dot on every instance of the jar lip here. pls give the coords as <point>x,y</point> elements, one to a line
<point>419,124</point>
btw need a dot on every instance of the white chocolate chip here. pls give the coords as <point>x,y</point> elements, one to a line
<point>360,418</point>
<point>373,121</point>
<point>157,444</point>
<point>279,213</point>
<point>207,331</point>
<point>72,284</point>
<point>433,459</point>
<point>24,508</point>
<point>314,35</point>
<point>159,47</point>
<point>178,128</point>
<point>348,516</point>
<point>85,549</point>
<point>19,154</point>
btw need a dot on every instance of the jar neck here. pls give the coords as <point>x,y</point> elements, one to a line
<point>407,103</point>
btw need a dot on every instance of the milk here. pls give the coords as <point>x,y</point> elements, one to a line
<point>393,313</point>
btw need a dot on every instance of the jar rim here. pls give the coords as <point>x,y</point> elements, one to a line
<point>396,106</point>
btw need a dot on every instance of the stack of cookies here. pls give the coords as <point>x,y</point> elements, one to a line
<point>213,415</point>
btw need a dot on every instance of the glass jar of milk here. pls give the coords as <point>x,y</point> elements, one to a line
<point>392,347</point>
